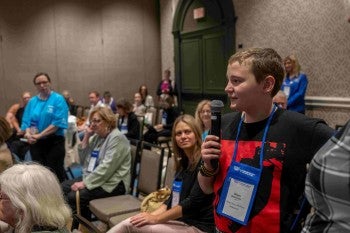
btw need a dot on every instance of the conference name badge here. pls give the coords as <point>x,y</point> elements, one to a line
<point>238,194</point>
<point>93,160</point>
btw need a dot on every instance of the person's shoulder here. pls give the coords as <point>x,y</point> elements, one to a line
<point>57,95</point>
<point>300,121</point>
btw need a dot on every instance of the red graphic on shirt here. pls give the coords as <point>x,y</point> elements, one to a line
<point>265,214</point>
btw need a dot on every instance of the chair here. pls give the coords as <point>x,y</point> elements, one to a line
<point>169,173</point>
<point>149,181</point>
<point>163,139</point>
<point>141,119</point>
<point>87,225</point>
<point>168,182</point>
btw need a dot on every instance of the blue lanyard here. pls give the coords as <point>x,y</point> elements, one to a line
<point>263,139</point>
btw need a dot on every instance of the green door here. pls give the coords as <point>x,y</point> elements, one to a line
<point>203,69</point>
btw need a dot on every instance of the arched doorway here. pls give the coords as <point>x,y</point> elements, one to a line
<point>202,48</point>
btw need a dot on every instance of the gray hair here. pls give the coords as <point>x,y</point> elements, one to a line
<point>36,194</point>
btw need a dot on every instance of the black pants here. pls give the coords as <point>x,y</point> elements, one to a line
<point>50,152</point>
<point>87,195</point>
<point>151,135</point>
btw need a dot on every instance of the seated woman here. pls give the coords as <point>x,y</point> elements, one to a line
<point>127,121</point>
<point>32,200</point>
<point>147,99</point>
<point>138,107</point>
<point>187,209</point>
<point>203,117</point>
<point>105,156</point>
<point>169,115</point>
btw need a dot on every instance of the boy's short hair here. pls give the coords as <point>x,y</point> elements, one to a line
<point>262,62</point>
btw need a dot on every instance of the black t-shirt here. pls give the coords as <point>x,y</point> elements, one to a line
<point>197,208</point>
<point>292,141</point>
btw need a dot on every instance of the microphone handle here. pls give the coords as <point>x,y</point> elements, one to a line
<point>215,130</point>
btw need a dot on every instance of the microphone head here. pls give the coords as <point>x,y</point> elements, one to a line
<point>216,105</point>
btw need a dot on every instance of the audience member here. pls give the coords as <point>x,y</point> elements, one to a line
<point>294,85</point>
<point>263,150</point>
<point>203,117</point>
<point>15,113</point>
<point>280,99</point>
<point>166,86</point>
<point>94,99</point>
<point>188,209</point>
<point>6,159</point>
<point>109,101</point>
<point>169,115</point>
<point>105,156</point>
<point>70,102</point>
<point>44,120</point>
<point>127,120</point>
<point>32,200</point>
<point>147,99</point>
<point>327,186</point>
<point>139,108</point>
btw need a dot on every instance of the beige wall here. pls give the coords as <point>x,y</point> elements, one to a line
<point>83,45</point>
<point>317,31</point>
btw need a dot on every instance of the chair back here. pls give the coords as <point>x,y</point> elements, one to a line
<point>149,178</point>
<point>170,173</point>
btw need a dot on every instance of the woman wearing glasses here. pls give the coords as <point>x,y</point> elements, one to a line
<point>44,120</point>
<point>203,117</point>
<point>105,156</point>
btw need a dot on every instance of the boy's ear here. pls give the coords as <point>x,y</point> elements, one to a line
<point>268,84</point>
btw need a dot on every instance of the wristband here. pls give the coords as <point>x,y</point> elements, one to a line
<point>207,172</point>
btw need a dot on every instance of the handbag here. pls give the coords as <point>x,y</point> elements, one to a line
<point>155,199</point>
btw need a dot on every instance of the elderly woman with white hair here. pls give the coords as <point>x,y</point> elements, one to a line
<point>31,200</point>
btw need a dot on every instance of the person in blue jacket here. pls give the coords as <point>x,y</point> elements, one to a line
<point>44,120</point>
<point>294,85</point>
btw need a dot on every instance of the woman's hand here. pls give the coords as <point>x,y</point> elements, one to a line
<point>77,186</point>
<point>143,218</point>
<point>210,149</point>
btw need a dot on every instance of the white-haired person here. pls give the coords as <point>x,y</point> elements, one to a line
<point>31,200</point>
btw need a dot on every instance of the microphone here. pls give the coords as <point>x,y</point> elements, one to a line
<point>216,107</point>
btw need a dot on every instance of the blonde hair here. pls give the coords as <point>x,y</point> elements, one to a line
<point>106,115</point>
<point>181,160</point>
<point>197,116</point>
<point>296,66</point>
<point>36,194</point>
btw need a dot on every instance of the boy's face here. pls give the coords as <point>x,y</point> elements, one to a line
<point>242,88</point>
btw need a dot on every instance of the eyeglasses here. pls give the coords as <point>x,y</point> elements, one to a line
<point>96,121</point>
<point>43,82</point>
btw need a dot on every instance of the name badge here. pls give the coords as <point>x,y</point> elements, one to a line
<point>164,117</point>
<point>124,128</point>
<point>286,90</point>
<point>238,194</point>
<point>93,161</point>
<point>177,185</point>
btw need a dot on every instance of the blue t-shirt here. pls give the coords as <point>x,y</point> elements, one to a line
<point>52,111</point>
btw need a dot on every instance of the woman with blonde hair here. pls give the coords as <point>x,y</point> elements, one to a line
<point>188,209</point>
<point>203,117</point>
<point>32,200</point>
<point>294,84</point>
